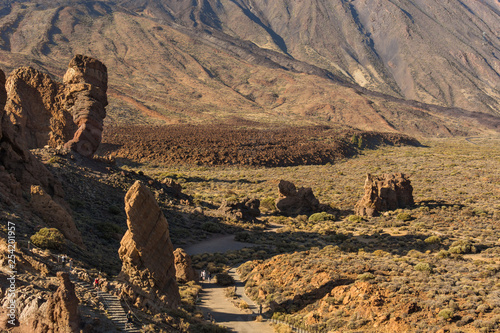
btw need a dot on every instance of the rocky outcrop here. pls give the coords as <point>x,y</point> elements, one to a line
<point>46,112</point>
<point>184,271</point>
<point>147,253</point>
<point>20,170</point>
<point>54,214</point>
<point>86,82</point>
<point>247,209</point>
<point>293,201</point>
<point>386,192</point>
<point>60,313</point>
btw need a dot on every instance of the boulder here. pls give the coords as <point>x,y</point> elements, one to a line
<point>386,192</point>
<point>184,271</point>
<point>54,214</point>
<point>146,251</point>
<point>293,201</point>
<point>60,313</point>
<point>247,209</point>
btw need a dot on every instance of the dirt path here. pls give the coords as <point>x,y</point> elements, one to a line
<point>212,299</point>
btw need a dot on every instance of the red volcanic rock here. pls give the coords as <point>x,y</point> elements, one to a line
<point>184,271</point>
<point>386,192</point>
<point>60,313</point>
<point>293,201</point>
<point>147,253</point>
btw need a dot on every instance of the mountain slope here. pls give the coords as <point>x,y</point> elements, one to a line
<point>163,69</point>
<point>445,53</point>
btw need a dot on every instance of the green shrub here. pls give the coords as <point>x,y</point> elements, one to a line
<point>355,218</point>
<point>268,204</point>
<point>433,240</point>
<point>211,227</point>
<point>446,313</point>
<point>48,238</point>
<point>115,210</point>
<point>423,267</point>
<point>462,247</point>
<point>366,276</point>
<point>323,216</point>
<point>404,217</point>
<point>224,279</point>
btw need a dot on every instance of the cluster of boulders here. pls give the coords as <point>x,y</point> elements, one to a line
<point>247,209</point>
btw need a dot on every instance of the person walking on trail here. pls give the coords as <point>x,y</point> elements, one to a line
<point>203,273</point>
<point>129,319</point>
<point>96,283</point>
<point>209,276</point>
<point>260,309</point>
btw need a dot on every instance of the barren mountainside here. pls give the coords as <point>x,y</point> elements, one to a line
<point>366,64</point>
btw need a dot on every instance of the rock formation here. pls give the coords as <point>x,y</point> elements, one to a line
<point>46,112</point>
<point>184,271</point>
<point>386,192</point>
<point>147,253</point>
<point>20,170</point>
<point>60,313</point>
<point>293,201</point>
<point>86,83</point>
<point>246,209</point>
<point>54,214</point>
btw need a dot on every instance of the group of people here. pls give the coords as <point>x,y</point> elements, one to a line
<point>205,275</point>
<point>63,259</point>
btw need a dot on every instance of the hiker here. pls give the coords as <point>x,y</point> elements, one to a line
<point>129,319</point>
<point>203,275</point>
<point>209,276</point>
<point>210,318</point>
<point>70,264</point>
<point>96,283</point>
<point>260,309</point>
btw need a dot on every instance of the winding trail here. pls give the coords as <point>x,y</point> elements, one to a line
<point>212,299</point>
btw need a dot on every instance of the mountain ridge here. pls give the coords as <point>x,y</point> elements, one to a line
<point>162,67</point>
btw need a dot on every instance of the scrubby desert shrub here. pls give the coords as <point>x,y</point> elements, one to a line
<point>366,276</point>
<point>433,240</point>
<point>323,216</point>
<point>268,204</point>
<point>243,305</point>
<point>462,247</point>
<point>211,227</point>
<point>446,313</point>
<point>355,218</point>
<point>224,279</point>
<point>404,217</point>
<point>48,238</point>
<point>423,267</point>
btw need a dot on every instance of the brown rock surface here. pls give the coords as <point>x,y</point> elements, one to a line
<point>20,170</point>
<point>246,209</point>
<point>36,109</point>
<point>46,112</point>
<point>386,192</point>
<point>147,252</point>
<point>60,313</point>
<point>86,83</point>
<point>54,214</point>
<point>184,271</point>
<point>292,201</point>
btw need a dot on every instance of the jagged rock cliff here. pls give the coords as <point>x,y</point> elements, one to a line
<point>147,253</point>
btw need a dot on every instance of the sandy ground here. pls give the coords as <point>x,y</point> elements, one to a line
<point>212,299</point>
